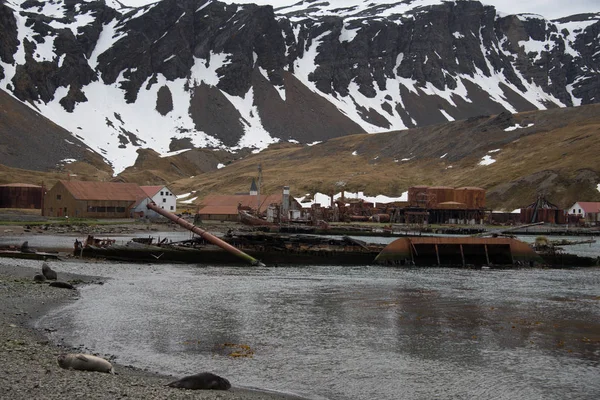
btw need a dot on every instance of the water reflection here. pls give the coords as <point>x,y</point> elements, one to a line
<point>352,333</point>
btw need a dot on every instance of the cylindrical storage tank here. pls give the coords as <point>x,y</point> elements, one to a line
<point>439,194</point>
<point>417,196</point>
<point>473,197</point>
<point>20,195</point>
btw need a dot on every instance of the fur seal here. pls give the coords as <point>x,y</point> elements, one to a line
<point>84,362</point>
<point>203,380</point>
<point>62,285</point>
<point>48,272</point>
<point>39,278</point>
<point>26,249</point>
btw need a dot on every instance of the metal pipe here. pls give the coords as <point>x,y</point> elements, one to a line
<point>205,235</point>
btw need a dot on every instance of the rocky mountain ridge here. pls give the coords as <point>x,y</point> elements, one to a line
<point>181,74</point>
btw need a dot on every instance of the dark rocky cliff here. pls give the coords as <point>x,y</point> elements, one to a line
<point>370,73</point>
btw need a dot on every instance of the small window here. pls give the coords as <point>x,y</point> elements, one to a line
<point>58,197</point>
<point>164,200</point>
<point>162,193</point>
<point>580,211</point>
<point>172,208</point>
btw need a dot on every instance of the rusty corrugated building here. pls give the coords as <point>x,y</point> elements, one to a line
<point>79,199</point>
<point>21,195</point>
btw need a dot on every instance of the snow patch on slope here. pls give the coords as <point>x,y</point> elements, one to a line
<point>325,200</point>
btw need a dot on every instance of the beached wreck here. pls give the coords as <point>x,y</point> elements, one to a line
<point>260,248</point>
<point>269,248</point>
<point>459,252</point>
<point>300,249</point>
<point>475,252</point>
<point>26,252</point>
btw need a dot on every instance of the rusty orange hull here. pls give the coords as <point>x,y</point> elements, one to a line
<point>459,251</point>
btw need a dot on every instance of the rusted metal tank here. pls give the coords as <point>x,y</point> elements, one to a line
<point>547,215</point>
<point>439,194</point>
<point>473,197</point>
<point>20,195</point>
<point>417,196</point>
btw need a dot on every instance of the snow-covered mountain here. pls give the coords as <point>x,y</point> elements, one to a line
<point>178,74</point>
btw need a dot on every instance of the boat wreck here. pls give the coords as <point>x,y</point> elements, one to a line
<point>459,252</point>
<point>269,248</point>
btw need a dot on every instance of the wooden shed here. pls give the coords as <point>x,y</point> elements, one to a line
<point>79,199</point>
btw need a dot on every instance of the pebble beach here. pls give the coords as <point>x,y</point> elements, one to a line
<point>29,368</point>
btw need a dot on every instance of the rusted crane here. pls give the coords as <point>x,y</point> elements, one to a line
<point>205,235</point>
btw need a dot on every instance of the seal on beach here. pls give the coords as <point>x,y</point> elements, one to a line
<point>39,278</point>
<point>26,249</point>
<point>48,272</point>
<point>84,362</point>
<point>62,285</point>
<point>202,381</point>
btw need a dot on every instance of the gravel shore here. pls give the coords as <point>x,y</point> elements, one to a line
<point>29,369</point>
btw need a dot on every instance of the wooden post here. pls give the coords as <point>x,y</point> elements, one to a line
<point>487,257</point>
<point>437,254</point>
<point>462,255</point>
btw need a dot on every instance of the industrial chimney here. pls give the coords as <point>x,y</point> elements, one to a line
<point>285,203</point>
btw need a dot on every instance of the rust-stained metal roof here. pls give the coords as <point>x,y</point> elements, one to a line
<point>151,190</point>
<point>83,190</point>
<point>219,210</point>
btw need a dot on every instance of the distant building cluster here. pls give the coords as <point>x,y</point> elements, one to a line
<point>425,205</point>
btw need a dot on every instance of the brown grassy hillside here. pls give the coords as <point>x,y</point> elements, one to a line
<point>555,154</point>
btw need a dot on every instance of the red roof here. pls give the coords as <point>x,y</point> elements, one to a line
<point>151,190</point>
<point>218,210</point>
<point>83,190</point>
<point>589,206</point>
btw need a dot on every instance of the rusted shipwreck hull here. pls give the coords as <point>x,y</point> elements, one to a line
<point>269,248</point>
<point>459,251</point>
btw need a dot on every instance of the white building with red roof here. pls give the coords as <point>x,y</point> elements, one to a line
<point>162,196</point>
<point>585,209</point>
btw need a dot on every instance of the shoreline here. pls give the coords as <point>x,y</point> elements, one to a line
<point>30,368</point>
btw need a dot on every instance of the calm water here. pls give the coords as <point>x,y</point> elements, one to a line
<point>349,332</point>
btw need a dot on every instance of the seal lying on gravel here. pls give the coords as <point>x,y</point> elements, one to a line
<point>84,362</point>
<point>48,272</point>
<point>203,380</point>
<point>63,285</point>
<point>39,278</point>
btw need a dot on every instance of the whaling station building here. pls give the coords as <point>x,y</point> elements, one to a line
<point>81,199</point>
